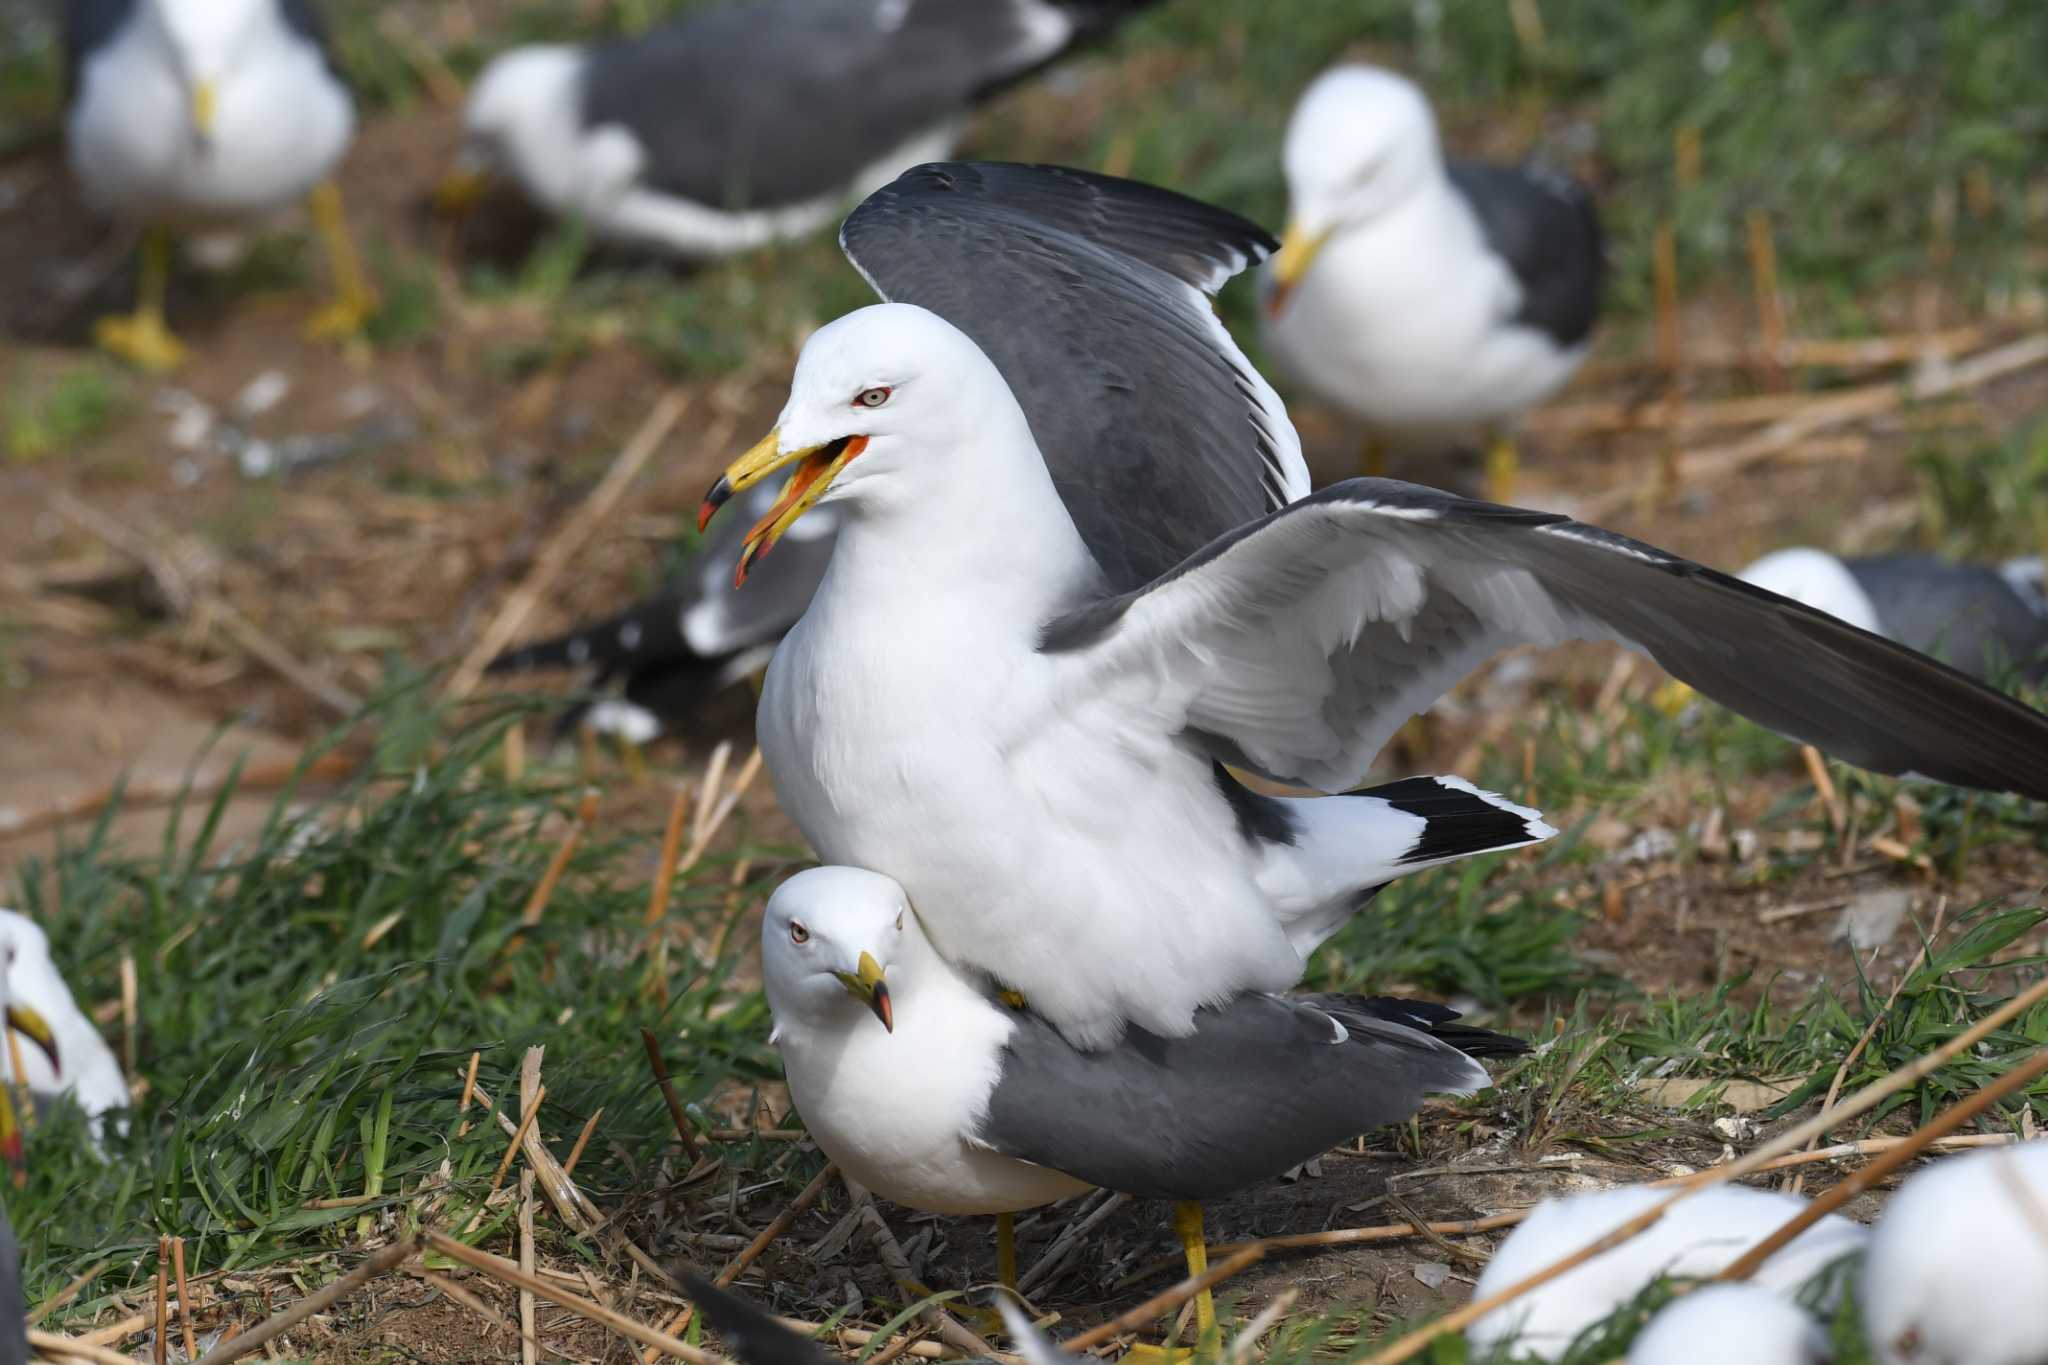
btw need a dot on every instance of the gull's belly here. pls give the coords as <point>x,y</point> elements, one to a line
<point>893,1116</point>
<point>1067,852</point>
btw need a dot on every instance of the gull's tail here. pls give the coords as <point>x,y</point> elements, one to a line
<point>1324,856</point>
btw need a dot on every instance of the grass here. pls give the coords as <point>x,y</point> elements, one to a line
<point>48,415</point>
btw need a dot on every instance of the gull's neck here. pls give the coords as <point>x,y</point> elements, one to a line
<point>971,516</point>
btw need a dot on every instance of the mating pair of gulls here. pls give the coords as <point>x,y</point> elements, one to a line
<point>1080,579</point>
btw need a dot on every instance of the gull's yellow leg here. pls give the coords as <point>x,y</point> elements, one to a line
<point>141,338</point>
<point>354,300</point>
<point>1372,458</point>
<point>1187,1225</point>
<point>1006,1251</point>
<point>1503,463</point>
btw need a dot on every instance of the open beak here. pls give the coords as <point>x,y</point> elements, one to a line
<point>816,467</point>
<point>1298,247</point>
<point>866,985</point>
<point>25,1021</point>
<point>205,104</point>
<point>36,1029</point>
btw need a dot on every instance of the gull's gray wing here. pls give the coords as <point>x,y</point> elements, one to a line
<point>1967,614</point>
<point>1545,225</point>
<point>88,26</point>
<point>783,102</point>
<point>1298,645</point>
<point>1090,295</point>
<point>1262,1085</point>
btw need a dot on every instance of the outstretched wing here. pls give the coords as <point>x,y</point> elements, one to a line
<point>1299,644</point>
<point>1090,295</point>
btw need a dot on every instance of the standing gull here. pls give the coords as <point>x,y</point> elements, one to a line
<point>958,1103</point>
<point>1432,300</point>
<point>1018,685</point>
<point>91,1074</point>
<point>732,127</point>
<point>1981,618</point>
<point>199,111</point>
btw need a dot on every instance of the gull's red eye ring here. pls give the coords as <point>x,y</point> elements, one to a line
<point>872,398</point>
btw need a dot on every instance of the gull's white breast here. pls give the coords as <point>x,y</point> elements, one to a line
<point>1067,845</point>
<point>281,122</point>
<point>894,1109</point>
<point>1402,321</point>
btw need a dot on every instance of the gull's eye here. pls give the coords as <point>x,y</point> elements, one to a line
<point>797,933</point>
<point>871,398</point>
<point>899,921</point>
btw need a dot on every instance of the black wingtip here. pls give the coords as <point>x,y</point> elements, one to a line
<point>748,1331</point>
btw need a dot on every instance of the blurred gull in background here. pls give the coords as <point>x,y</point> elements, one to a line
<point>1433,301</point>
<point>193,112</point>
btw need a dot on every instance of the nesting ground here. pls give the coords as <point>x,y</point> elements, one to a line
<point>283,532</point>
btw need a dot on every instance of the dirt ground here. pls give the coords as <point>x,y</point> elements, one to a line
<point>167,602</point>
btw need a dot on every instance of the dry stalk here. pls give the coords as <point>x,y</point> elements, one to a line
<point>556,554</point>
<point>1833,410</point>
<point>1823,786</point>
<point>582,1141</point>
<point>160,1345</point>
<point>1164,1302</point>
<point>319,1301</point>
<point>505,1162</point>
<point>909,1344</point>
<point>468,1093</point>
<point>668,1093</point>
<point>1770,304</point>
<point>671,846</point>
<point>503,1270</point>
<point>138,793</point>
<point>464,1297</point>
<point>558,863</point>
<point>530,1092</point>
<point>72,1348</point>
<point>184,1296</point>
<point>1862,1102</point>
<point>1950,1119</point>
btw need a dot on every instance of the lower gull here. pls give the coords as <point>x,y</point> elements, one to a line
<point>951,1100</point>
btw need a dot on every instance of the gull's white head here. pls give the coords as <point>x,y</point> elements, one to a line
<point>209,41</point>
<point>878,396</point>
<point>828,940</point>
<point>1361,140</point>
<point>21,937</point>
<point>526,98</point>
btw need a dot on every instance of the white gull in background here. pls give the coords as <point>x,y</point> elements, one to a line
<point>1698,1236</point>
<point>1036,648</point>
<point>90,1074</point>
<point>1433,301</point>
<point>733,126</point>
<point>1723,1323</point>
<point>1984,619</point>
<point>950,1100</point>
<point>191,112</point>
<point>1958,1263</point>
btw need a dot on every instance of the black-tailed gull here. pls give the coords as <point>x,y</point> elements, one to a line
<point>734,126</point>
<point>956,1102</point>
<point>192,112</point>
<point>1434,301</point>
<point>1958,1261</point>
<point>671,651</point>
<point>90,1075</point>
<point>1698,1237</point>
<point>1020,707</point>
<point>1982,618</point>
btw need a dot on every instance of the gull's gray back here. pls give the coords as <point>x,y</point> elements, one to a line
<point>1088,293</point>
